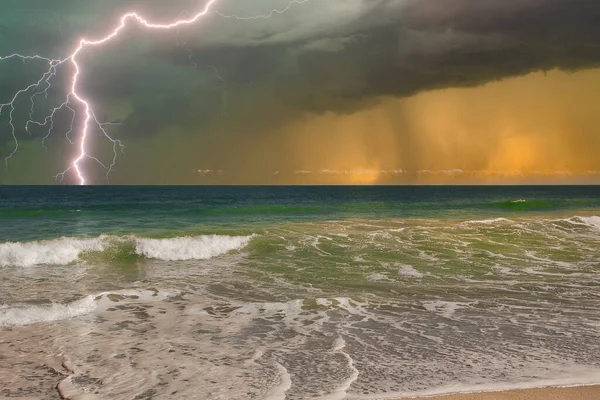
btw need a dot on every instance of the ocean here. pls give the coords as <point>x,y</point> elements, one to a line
<point>296,292</point>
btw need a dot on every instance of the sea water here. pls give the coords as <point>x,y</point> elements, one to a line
<point>296,292</point>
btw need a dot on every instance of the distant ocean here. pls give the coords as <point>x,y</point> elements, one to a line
<point>296,292</point>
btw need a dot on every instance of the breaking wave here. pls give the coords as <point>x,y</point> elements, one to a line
<point>66,250</point>
<point>57,251</point>
<point>591,221</point>
<point>189,248</point>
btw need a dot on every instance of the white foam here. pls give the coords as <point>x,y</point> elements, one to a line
<point>258,353</point>
<point>285,383</point>
<point>341,392</point>
<point>323,302</point>
<point>61,251</point>
<point>445,308</point>
<point>409,270</point>
<point>338,344</point>
<point>502,269</point>
<point>349,305</point>
<point>189,248</point>
<point>377,277</point>
<point>26,315</point>
<point>489,221</point>
<point>291,307</point>
<point>592,221</point>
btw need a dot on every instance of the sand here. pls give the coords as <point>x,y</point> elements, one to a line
<point>572,393</point>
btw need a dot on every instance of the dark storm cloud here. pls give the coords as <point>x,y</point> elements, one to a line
<point>444,43</point>
<point>427,44</point>
<point>321,55</point>
<point>398,48</point>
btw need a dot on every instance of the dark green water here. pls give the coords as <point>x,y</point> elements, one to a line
<point>301,292</point>
<point>32,213</point>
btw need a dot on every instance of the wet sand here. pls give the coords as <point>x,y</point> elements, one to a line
<point>571,393</point>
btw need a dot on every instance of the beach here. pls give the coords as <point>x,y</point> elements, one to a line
<point>569,393</point>
<point>299,292</point>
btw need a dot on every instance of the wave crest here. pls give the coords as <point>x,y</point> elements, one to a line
<point>189,248</point>
<point>66,250</point>
<point>590,221</point>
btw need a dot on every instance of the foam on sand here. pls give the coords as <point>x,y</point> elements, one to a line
<point>285,383</point>
<point>341,392</point>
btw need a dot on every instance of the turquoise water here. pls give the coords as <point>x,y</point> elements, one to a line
<point>298,292</point>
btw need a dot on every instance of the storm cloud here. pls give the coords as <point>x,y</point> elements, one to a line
<point>324,54</point>
<point>321,56</point>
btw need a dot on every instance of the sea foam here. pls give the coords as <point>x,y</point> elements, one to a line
<point>66,250</point>
<point>25,314</point>
<point>591,221</point>
<point>489,221</point>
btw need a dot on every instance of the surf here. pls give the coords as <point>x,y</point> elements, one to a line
<point>68,250</point>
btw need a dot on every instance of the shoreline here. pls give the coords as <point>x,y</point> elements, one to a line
<point>582,392</point>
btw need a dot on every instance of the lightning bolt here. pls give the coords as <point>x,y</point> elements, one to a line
<point>74,99</point>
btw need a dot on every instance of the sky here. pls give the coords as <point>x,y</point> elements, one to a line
<point>328,92</point>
